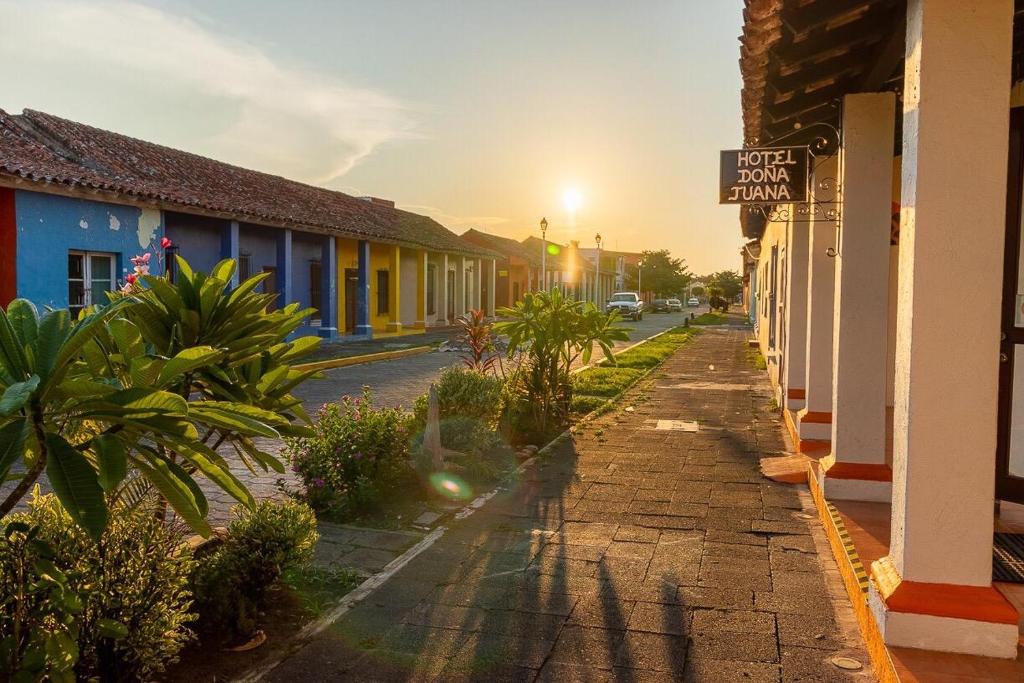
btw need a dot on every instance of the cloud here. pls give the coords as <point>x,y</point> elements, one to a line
<point>264,114</point>
<point>454,221</point>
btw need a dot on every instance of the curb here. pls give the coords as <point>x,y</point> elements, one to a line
<point>367,587</point>
<point>364,358</point>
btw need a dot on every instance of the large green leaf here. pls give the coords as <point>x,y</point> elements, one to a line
<point>141,402</point>
<point>128,338</point>
<point>82,334</point>
<point>12,444</point>
<point>24,319</point>
<point>214,467</point>
<point>54,330</point>
<point>187,361</point>
<point>112,461</point>
<point>12,351</point>
<point>231,421</point>
<point>76,485</point>
<point>174,484</point>
<point>17,395</point>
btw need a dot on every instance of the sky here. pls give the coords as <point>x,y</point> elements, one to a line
<point>478,113</point>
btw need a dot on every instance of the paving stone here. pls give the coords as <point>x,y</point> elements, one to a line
<point>660,618</point>
<point>641,556</point>
<point>595,648</point>
<point>654,652</point>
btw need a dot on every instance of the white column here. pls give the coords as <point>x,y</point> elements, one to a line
<point>478,278</point>
<point>492,288</point>
<point>955,123</point>
<point>460,286</point>
<point>856,468</point>
<point>442,292</point>
<point>794,362</point>
<point>815,419</point>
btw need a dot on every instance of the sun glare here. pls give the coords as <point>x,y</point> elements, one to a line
<point>572,199</point>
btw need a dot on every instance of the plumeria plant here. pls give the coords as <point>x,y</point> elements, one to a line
<point>140,394</point>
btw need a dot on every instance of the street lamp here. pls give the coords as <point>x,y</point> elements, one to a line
<point>543,254</point>
<point>597,284</point>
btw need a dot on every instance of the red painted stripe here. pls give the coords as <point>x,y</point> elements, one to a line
<point>8,248</point>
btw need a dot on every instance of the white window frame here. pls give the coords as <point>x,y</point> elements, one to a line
<point>87,275</point>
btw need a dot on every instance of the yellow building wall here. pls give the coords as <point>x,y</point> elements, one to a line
<point>380,259</point>
<point>347,254</point>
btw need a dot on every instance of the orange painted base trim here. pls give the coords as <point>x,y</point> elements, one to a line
<point>812,447</point>
<point>881,662</point>
<point>815,417</point>
<point>855,470</point>
<point>973,603</point>
<point>796,394</point>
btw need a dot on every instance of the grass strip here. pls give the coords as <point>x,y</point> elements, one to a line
<point>710,319</point>
<point>595,387</point>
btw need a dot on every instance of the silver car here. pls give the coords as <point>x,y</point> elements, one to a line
<point>628,304</point>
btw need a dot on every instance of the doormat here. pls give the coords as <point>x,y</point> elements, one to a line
<point>1008,558</point>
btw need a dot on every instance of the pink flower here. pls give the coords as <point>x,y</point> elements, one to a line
<point>165,243</point>
<point>130,279</point>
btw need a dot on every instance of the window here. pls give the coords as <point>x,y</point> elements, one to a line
<point>315,279</point>
<point>383,293</point>
<point>244,267</point>
<point>431,289</point>
<point>90,275</point>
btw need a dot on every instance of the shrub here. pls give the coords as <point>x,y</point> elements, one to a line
<point>553,332</point>
<point>462,392</point>
<point>484,455</point>
<point>476,333</point>
<point>70,607</point>
<point>231,582</point>
<point>356,455</point>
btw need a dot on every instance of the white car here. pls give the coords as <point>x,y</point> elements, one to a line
<point>628,304</point>
<point>675,305</point>
<point>693,302</point>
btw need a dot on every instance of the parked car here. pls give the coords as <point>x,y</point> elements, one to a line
<point>675,305</point>
<point>693,301</point>
<point>628,304</point>
<point>660,306</point>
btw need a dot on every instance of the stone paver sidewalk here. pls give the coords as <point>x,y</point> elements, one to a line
<point>636,554</point>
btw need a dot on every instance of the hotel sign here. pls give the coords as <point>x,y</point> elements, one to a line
<point>764,175</point>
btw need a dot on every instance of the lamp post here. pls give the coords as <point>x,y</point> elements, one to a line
<point>543,255</point>
<point>597,283</point>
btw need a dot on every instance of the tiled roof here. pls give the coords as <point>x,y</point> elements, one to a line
<point>43,148</point>
<point>503,245</point>
<point>533,244</point>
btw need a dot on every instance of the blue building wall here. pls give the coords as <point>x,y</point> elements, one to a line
<point>49,226</point>
<point>198,239</point>
<point>260,243</point>
<point>305,248</point>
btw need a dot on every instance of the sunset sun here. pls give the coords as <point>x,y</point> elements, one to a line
<point>572,199</point>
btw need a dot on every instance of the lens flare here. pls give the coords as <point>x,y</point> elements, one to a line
<point>572,199</point>
<point>553,249</point>
<point>450,486</point>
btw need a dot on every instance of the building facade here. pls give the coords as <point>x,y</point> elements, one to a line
<point>892,330</point>
<point>77,203</point>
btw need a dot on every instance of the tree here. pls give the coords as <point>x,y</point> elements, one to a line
<point>662,274</point>
<point>728,283</point>
<point>145,389</point>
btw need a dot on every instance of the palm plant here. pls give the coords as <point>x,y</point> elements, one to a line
<point>554,332</point>
<point>153,383</point>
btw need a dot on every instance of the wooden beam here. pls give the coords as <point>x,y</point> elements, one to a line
<point>888,58</point>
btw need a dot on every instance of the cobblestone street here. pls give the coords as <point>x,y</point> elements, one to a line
<point>637,553</point>
<point>394,383</point>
